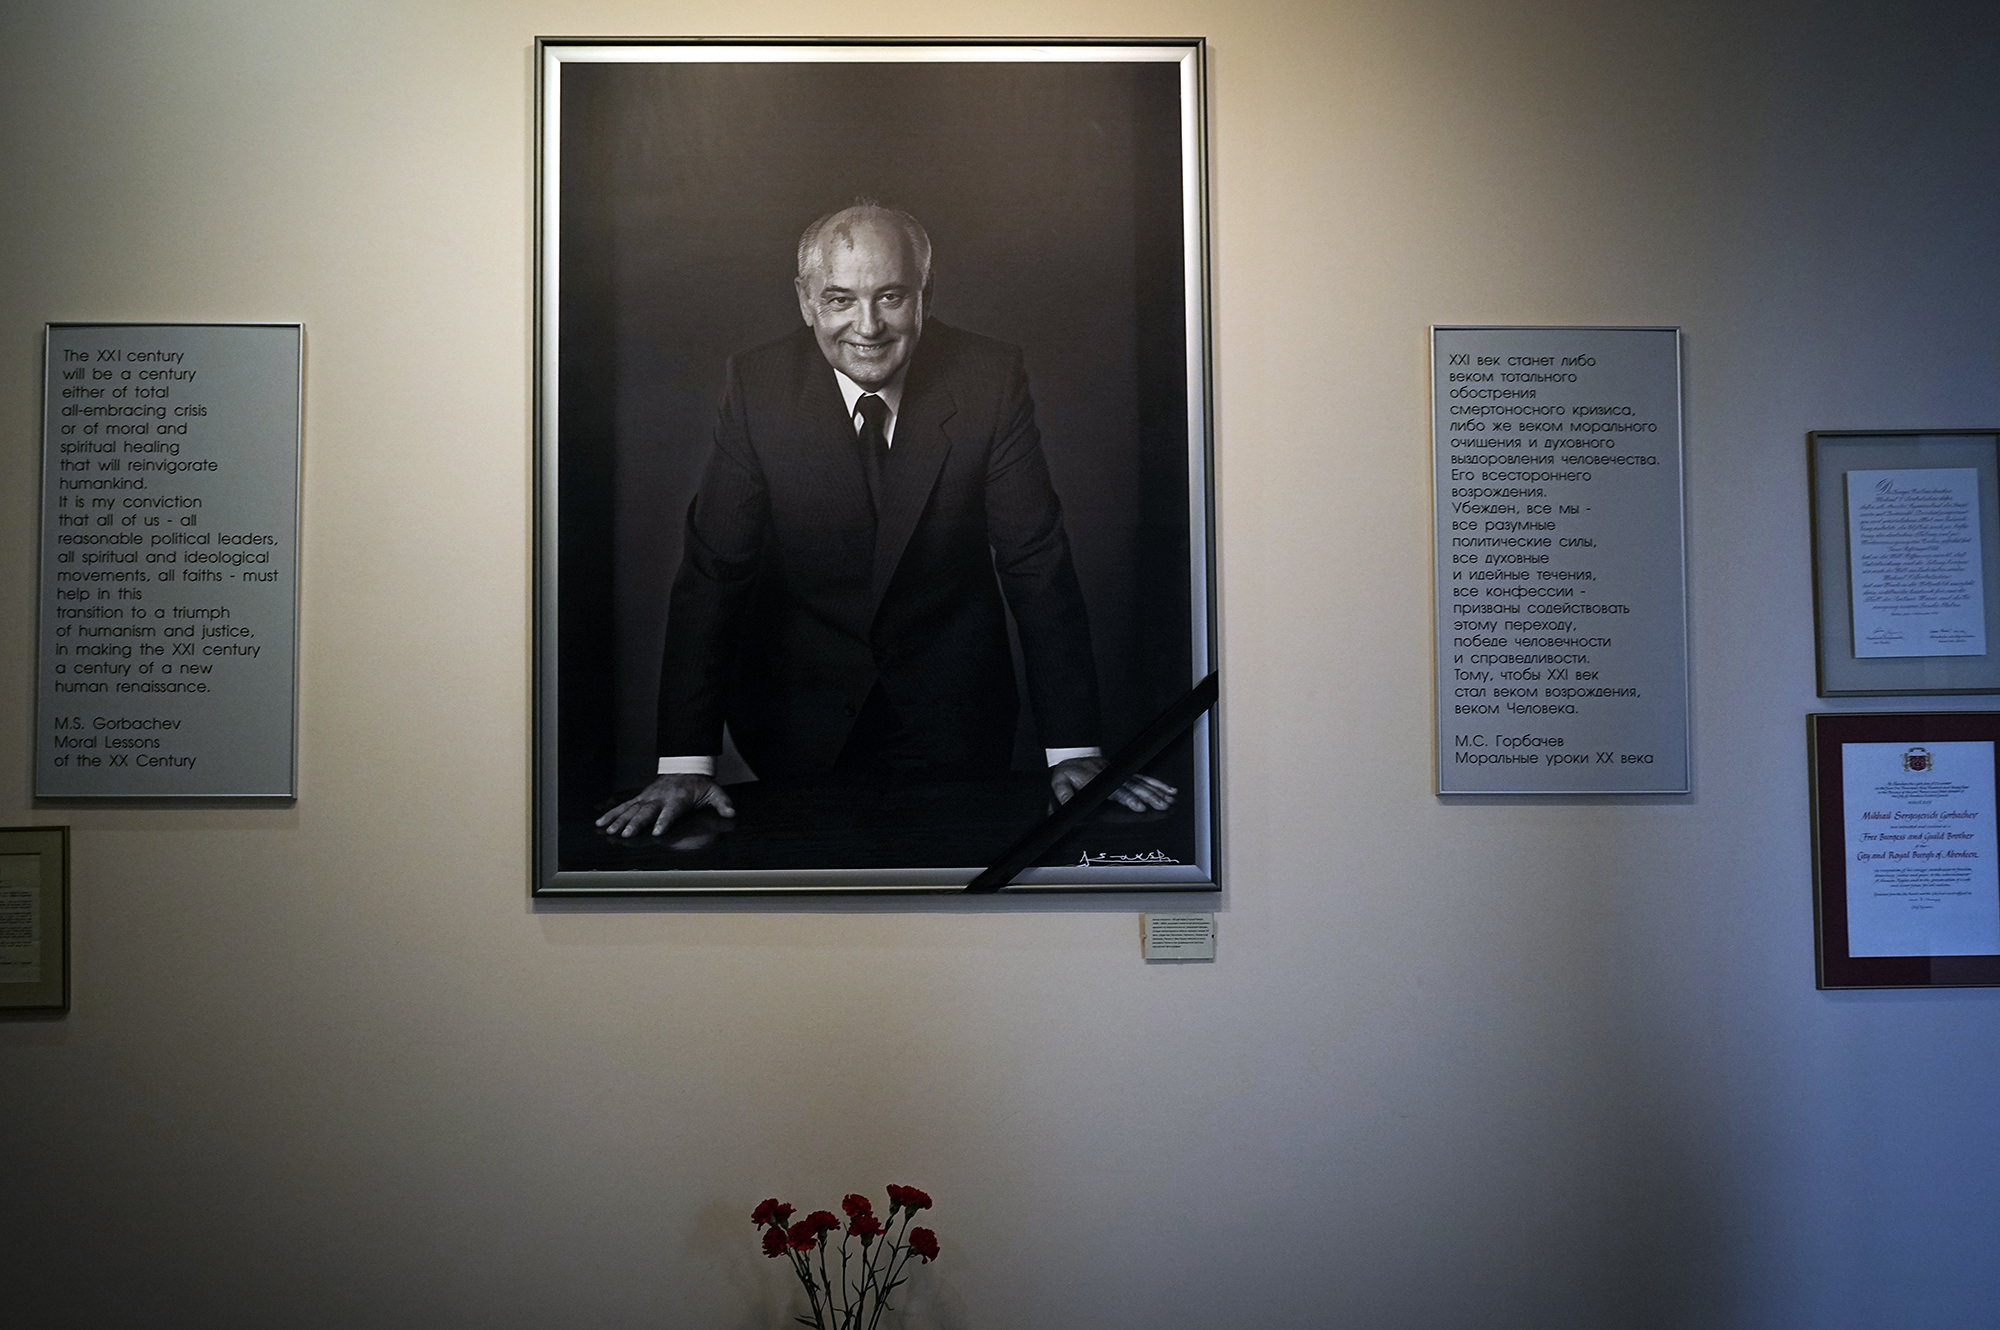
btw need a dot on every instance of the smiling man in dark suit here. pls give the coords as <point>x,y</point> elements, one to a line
<point>877,486</point>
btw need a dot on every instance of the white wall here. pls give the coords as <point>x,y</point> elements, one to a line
<point>1489,1063</point>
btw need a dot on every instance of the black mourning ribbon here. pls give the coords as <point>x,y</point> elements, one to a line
<point>1166,727</point>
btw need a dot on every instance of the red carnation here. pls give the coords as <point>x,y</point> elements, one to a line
<point>882,1269</point>
<point>910,1198</point>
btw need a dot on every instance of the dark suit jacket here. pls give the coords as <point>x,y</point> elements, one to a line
<point>810,573</point>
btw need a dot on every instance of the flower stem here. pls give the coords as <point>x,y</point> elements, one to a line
<point>881,1298</point>
<point>874,1252</point>
<point>824,1281</point>
<point>802,1267</point>
<point>847,1310</point>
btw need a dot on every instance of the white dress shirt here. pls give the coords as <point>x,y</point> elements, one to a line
<point>891,394</point>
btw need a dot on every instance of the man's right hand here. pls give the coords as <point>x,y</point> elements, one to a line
<point>665,801</point>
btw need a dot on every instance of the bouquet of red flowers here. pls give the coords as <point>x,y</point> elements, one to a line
<point>864,1293</point>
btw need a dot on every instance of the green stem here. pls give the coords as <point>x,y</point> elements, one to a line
<point>824,1281</point>
<point>802,1267</point>
<point>864,1282</point>
<point>881,1298</point>
<point>846,1299</point>
<point>873,1250</point>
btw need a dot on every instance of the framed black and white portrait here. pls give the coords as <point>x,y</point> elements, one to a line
<point>873,466</point>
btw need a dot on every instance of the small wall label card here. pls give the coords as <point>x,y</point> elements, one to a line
<point>1906,856</point>
<point>1906,560</point>
<point>1561,561</point>
<point>169,570</point>
<point>1186,936</point>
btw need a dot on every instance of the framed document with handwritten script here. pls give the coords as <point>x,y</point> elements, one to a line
<point>1906,561</point>
<point>873,467</point>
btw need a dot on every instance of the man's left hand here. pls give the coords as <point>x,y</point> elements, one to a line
<point>1140,794</point>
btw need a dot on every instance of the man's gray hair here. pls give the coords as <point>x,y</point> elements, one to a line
<point>839,226</point>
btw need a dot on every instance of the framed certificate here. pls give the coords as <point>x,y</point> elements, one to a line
<point>1906,858</point>
<point>1906,561</point>
<point>34,919</point>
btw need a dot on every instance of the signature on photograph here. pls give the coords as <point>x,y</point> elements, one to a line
<point>1090,860</point>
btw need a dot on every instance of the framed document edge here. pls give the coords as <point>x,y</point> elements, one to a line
<point>45,918</point>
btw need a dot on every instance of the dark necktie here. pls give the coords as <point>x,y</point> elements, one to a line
<point>874,415</point>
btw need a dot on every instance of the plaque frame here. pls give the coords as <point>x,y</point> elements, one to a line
<point>48,996</point>
<point>1826,732</point>
<point>1440,469</point>
<point>590,718</point>
<point>288,789</point>
<point>1838,671</point>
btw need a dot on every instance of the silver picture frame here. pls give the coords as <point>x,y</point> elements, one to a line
<point>1063,186</point>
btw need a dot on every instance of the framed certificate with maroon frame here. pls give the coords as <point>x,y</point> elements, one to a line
<point>1906,857</point>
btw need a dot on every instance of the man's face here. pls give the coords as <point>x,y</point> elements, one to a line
<point>865,303</point>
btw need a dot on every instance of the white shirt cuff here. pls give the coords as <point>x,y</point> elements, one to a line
<point>1056,755</point>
